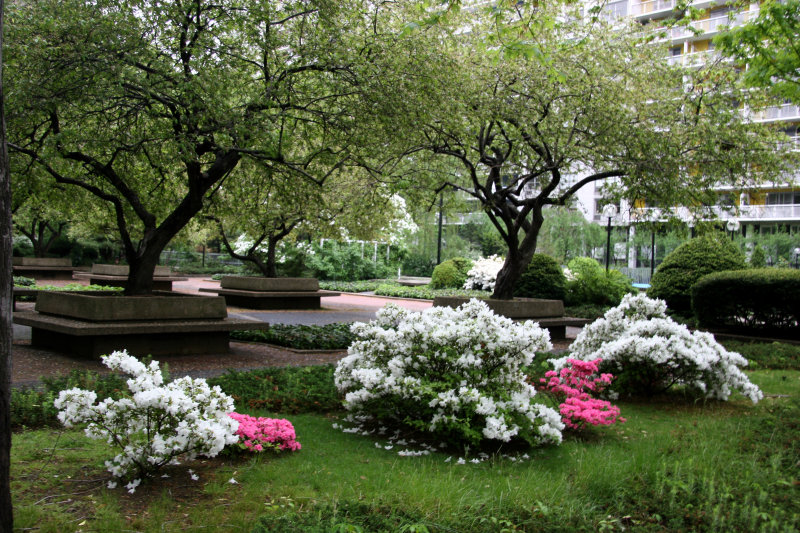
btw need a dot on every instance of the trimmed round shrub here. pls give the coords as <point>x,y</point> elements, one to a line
<point>648,353</point>
<point>451,274</point>
<point>588,283</point>
<point>542,279</point>
<point>673,280</point>
<point>764,300</point>
<point>454,375</point>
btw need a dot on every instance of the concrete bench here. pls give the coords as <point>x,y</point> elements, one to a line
<point>413,281</point>
<point>271,293</point>
<point>20,292</point>
<point>43,267</point>
<point>117,276</point>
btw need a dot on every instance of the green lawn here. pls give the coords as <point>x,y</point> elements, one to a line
<point>676,465</point>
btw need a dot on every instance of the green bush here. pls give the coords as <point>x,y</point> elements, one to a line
<point>34,407</point>
<point>22,281</point>
<point>673,280</point>
<point>300,337</point>
<point>592,285</point>
<point>450,274</point>
<point>292,390</point>
<point>764,300</point>
<point>542,279</point>
<point>759,258</point>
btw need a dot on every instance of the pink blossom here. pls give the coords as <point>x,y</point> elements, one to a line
<point>260,433</point>
<point>574,383</point>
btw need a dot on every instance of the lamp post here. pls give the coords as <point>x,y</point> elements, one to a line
<point>733,226</point>
<point>610,211</point>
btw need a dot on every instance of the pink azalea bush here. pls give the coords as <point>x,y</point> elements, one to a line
<point>576,382</point>
<point>257,434</point>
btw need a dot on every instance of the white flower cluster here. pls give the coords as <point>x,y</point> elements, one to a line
<point>157,423</point>
<point>483,274</point>
<point>637,336</point>
<point>454,372</point>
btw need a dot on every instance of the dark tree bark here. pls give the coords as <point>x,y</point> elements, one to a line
<point>267,266</point>
<point>37,234</point>
<point>6,328</point>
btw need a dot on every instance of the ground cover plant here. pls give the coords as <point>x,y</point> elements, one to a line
<point>426,292</point>
<point>307,389</point>
<point>355,286</point>
<point>301,337</point>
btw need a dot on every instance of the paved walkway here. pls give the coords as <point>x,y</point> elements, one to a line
<point>335,309</point>
<point>343,308</point>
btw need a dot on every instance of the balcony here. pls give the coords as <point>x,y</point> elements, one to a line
<point>652,7</point>
<point>775,113</point>
<point>694,59</point>
<point>711,26</point>
<point>747,213</point>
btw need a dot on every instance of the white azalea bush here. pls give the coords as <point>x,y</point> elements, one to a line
<point>157,423</point>
<point>648,353</point>
<point>483,274</point>
<point>455,375</point>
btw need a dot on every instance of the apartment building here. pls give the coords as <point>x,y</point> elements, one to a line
<point>766,208</point>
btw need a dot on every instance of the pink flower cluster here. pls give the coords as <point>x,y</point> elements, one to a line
<point>256,434</point>
<point>576,382</point>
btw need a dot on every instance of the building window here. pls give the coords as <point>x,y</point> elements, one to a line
<point>783,198</point>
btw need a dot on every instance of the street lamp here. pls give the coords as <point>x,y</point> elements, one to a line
<point>733,226</point>
<point>610,211</point>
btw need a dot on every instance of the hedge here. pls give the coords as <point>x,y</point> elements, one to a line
<point>451,274</point>
<point>762,300</point>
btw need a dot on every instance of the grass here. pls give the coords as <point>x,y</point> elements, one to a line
<point>676,465</point>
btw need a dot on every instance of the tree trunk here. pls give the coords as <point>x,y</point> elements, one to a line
<point>142,268</point>
<point>518,259</point>
<point>272,268</point>
<point>6,327</point>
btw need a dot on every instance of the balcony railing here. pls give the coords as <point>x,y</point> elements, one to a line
<point>782,112</point>
<point>694,59</point>
<point>652,6</point>
<point>746,213</point>
<point>711,25</point>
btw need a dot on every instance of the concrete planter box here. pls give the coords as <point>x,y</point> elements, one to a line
<point>42,261</point>
<point>251,283</point>
<point>518,308</point>
<point>124,270</point>
<point>111,308</point>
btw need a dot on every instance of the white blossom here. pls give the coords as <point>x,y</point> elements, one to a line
<point>158,422</point>
<point>451,367</point>
<point>483,274</point>
<point>639,332</point>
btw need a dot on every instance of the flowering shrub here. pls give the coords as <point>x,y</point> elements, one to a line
<point>649,353</point>
<point>455,374</point>
<point>483,274</point>
<point>574,383</point>
<point>157,424</point>
<point>256,434</point>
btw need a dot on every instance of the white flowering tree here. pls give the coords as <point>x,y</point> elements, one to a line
<point>454,375</point>
<point>648,353</point>
<point>157,424</point>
